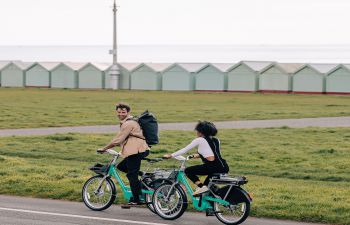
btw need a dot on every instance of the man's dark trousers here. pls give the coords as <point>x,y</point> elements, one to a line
<point>131,166</point>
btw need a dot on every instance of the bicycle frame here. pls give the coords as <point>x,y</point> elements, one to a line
<point>200,203</point>
<point>197,202</point>
<point>125,189</point>
<point>112,172</point>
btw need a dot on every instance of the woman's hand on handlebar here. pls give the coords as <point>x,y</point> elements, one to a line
<point>167,156</point>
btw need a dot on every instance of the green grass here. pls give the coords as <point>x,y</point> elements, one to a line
<point>23,108</point>
<point>300,174</point>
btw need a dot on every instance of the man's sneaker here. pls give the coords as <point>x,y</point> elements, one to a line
<point>131,204</point>
<point>200,191</point>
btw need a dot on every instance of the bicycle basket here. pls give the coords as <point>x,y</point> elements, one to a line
<point>100,169</point>
<point>159,174</point>
<point>173,175</point>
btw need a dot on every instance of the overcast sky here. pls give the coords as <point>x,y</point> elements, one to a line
<point>89,22</point>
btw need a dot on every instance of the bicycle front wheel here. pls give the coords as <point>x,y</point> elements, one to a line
<point>232,214</point>
<point>169,203</point>
<point>99,193</point>
<point>149,204</point>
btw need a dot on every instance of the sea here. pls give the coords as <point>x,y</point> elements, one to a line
<point>181,53</point>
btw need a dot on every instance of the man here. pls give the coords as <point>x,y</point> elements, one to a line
<point>133,149</point>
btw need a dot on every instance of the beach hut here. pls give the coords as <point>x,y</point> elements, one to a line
<point>338,80</point>
<point>180,76</point>
<point>309,79</point>
<point>38,74</point>
<point>147,76</point>
<point>212,77</point>
<point>2,65</point>
<point>12,74</point>
<point>65,75</point>
<point>244,76</point>
<point>125,71</point>
<point>124,77</point>
<point>105,68</point>
<point>276,77</point>
<point>92,75</point>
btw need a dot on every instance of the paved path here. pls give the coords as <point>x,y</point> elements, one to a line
<point>25,211</point>
<point>306,122</point>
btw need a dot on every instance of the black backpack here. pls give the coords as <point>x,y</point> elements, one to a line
<point>149,125</point>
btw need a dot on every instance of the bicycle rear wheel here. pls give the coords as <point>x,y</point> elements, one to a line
<point>169,204</point>
<point>99,194</point>
<point>232,214</point>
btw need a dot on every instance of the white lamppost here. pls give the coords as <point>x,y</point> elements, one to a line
<point>114,73</point>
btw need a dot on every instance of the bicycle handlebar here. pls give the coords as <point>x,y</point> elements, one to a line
<point>110,151</point>
<point>115,153</point>
<point>154,160</point>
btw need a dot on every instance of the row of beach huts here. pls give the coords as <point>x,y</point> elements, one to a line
<point>244,76</point>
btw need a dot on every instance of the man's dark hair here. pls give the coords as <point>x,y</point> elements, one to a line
<point>206,128</point>
<point>122,105</point>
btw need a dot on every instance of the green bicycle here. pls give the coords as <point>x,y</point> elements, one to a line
<point>226,199</point>
<point>99,191</point>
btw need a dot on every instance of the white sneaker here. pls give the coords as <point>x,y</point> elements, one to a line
<point>200,190</point>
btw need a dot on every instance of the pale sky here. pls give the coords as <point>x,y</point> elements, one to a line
<point>176,22</point>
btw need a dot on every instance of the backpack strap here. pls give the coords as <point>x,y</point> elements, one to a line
<point>134,119</point>
<point>136,136</point>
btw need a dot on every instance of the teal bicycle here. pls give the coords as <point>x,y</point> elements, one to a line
<point>99,191</point>
<point>226,199</point>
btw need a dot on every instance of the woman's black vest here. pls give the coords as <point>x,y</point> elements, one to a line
<point>215,147</point>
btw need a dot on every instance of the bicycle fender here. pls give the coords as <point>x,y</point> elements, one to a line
<point>236,195</point>
<point>183,192</point>
<point>113,185</point>
<point>111,182</point>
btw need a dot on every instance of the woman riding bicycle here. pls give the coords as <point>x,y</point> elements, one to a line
<point>208,151</point>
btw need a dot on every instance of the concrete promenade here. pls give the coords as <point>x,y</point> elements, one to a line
<point>25,211</point>
<point>247,124</point>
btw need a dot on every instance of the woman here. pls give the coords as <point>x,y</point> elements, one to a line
<point>208,151</point>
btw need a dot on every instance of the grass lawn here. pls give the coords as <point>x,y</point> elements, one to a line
<point>23,108</point>
<point>299,174</point>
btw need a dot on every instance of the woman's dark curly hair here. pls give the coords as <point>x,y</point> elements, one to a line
<point>206,128</point>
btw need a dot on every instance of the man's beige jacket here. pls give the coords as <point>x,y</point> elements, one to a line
<point>126,139</point>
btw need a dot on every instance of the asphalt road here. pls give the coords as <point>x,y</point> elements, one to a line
<point>31,211</point>
<point>248,124</point>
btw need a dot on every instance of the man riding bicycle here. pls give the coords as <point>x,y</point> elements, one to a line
<point>133,149</point>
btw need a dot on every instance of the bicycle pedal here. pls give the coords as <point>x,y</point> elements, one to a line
<point>125,207</point>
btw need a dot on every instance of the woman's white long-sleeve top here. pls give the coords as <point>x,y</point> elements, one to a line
<point>203,148</point>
